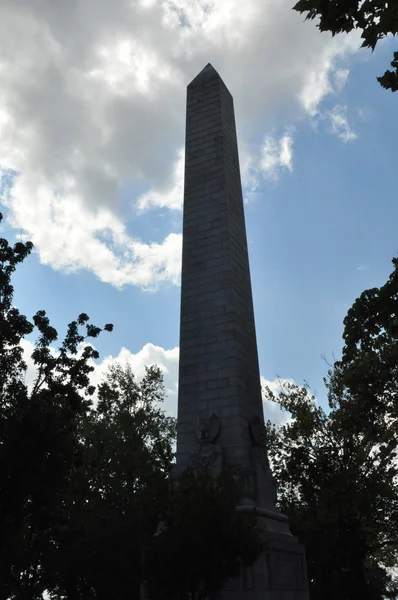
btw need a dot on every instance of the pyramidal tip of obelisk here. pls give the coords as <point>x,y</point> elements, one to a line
<point>208,72</point>
<point>207,68</point>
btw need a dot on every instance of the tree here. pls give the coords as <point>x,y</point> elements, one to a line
<point>203,540</point>
<point>337,472</point>
<point>375,18</point>
<point>368,371</point>
<point>38,432</point>
<point>340,493</point>
<point>118,491</point>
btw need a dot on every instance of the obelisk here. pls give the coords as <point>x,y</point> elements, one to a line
<point>220,411</point>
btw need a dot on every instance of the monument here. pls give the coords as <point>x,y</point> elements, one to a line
<point>220,412</point>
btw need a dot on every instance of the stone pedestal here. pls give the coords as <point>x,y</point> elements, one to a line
<point>279,573</point>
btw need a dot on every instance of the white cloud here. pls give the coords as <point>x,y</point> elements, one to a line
<point>166,360</point>
<point>88,106</point>
<point>322,76</point>
<point>276,155</point>
<point>340,77</point>
<point>272,410</point>
<point>363,267</point>
<point>316,87</point>
<point>364,113</point>
<point>339,125</point>
<point>172,196</point>
<point>31,371</point>
<point>251,176</point>
<point>70,236</point>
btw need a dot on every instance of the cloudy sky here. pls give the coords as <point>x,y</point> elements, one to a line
<point>92,109</point>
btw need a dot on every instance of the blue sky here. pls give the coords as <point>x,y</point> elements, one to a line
<point>96,140</point>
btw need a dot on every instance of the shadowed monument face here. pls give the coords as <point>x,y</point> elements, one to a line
<point>220,411</point>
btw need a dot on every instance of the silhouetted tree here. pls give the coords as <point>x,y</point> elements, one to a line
<point>375,18</point>
<point>337,473</point>
<point>118,491</point>
<point>39,430</point>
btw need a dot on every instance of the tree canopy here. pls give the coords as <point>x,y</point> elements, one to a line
<point>337,471</point>
<point>374,18</point>
<point>39,431</point>
<point>118,490</point>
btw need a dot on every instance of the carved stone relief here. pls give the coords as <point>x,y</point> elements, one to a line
<point>209,455</point>
<point>246,478</point>
<point>207,430</point>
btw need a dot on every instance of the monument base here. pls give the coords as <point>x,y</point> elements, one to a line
<point>280,571</point>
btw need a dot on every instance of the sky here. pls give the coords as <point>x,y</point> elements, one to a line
<point>92,117</point>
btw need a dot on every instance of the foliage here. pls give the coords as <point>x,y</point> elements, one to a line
<point>203,540</point>
<point>375,18</point>
<point>340,495</point>
<point>118,491</point>
<point>368,371</point>
<point>337,473</point>
<point>38,432</point>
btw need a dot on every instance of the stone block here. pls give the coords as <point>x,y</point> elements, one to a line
<point>218,383</point>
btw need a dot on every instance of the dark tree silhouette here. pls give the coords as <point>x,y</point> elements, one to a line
<point>337,472</point>
<point>375,18</point>
<point>39,433</point>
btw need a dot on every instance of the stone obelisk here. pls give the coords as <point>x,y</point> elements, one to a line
<point>220,411</point>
